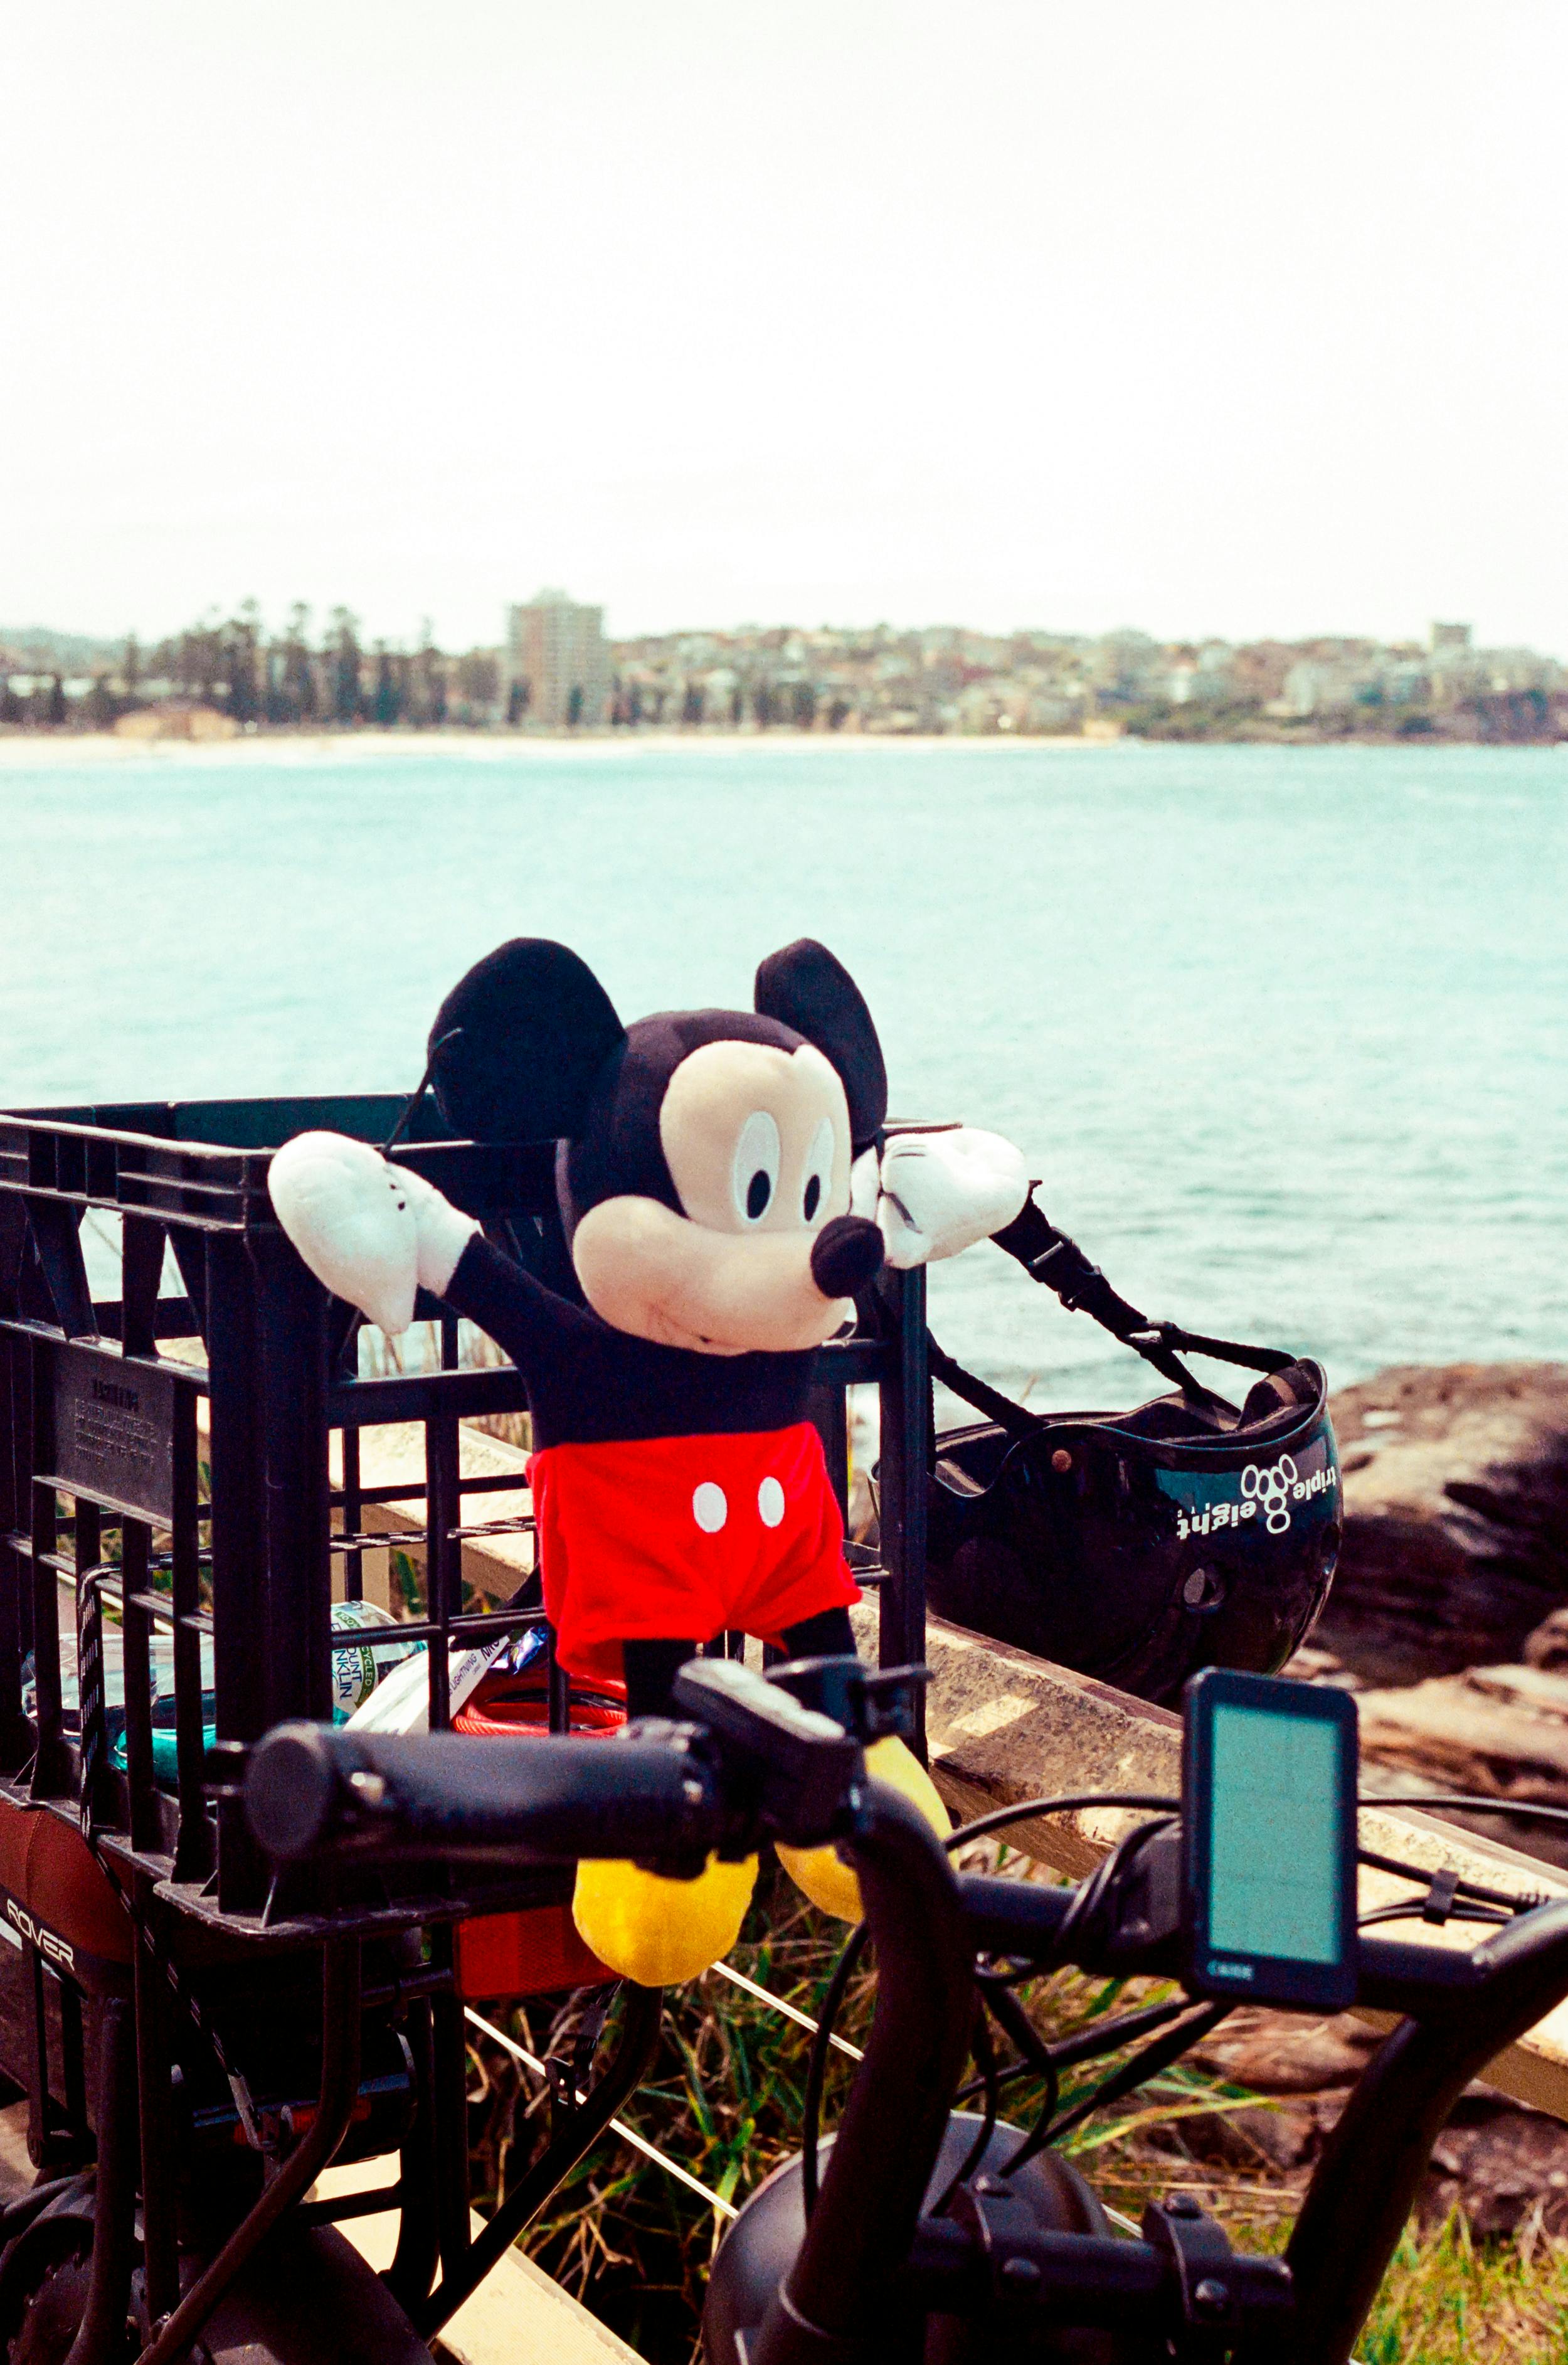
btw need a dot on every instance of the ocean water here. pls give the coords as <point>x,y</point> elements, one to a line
<point>1281,1031</point>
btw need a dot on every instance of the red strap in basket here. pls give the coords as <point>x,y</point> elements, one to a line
<point>507,1705</point>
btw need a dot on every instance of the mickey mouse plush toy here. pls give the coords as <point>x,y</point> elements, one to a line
<point>725,1190</point>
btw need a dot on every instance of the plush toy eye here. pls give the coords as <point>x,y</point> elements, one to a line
<point>754,1175</point>
<point>818,1169</point>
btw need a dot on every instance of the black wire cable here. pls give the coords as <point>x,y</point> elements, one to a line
<point>985,2056</point>
<point>1189,2031</point>
<point>1413,1910</point>
<point>1538,1807</point>
<point>1014,2022</point>
<point>998,1818</point>
<point>416,1095</point>
<point>1101,2036</point>
<point>1008,2077</point>
<point>816,2066</point>
<point>1514,1902</point>
<point>1001,1816</point>
<point>1109,2035</point>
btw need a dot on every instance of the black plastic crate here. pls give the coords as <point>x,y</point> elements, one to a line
<point>98,1419</point>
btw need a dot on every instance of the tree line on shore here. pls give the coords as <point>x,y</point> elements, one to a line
<point>291,678</point>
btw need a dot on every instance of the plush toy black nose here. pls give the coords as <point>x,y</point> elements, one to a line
<point>844,1255</point>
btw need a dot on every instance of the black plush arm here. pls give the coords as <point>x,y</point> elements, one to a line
<point>526,1321</point>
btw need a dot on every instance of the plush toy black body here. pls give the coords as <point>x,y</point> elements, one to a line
<point>724,1192</point>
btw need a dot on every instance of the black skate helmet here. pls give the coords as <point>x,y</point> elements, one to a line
<point>1138,1547</point>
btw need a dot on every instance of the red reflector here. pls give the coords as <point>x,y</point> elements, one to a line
<point>524,1954</point>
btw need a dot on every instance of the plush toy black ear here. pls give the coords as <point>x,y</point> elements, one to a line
<point>805,988</point>
<point>518,1042</point>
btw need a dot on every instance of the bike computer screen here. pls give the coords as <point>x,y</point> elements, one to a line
<point>1269,1840</point>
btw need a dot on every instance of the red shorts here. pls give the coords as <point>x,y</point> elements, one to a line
<point>678,1538</point>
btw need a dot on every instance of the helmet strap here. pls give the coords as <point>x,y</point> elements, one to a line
<point>1048,1256</point>
<point>991,1401</point>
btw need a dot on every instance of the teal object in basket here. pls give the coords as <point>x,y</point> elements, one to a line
<point>165,1756</point>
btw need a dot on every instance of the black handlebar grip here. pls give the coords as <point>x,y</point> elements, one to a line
<point>312,1791</point>
<point>291,1791</point>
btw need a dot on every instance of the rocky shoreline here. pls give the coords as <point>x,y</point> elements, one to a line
<point>1448,1614</point>
<point>1448,1619</point>
<point>1456,1518</point>
<point>1503,2164</point>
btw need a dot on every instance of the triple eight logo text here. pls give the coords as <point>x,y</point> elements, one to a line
<point>1266,1493</point>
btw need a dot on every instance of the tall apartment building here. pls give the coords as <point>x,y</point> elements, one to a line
<point>558,650</point>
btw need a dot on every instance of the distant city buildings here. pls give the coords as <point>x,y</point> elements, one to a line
<point>560,672</point>
<point>557,672</point>
<point>946,678</point>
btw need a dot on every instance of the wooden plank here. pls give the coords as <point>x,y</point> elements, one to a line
<point>518,2316</point>
<point>495,1566</point>
<point>17,2174</point>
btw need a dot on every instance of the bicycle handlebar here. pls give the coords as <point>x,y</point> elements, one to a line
<point>757,1762</point>
<point>1024,1918</point>
<point>311,1791</point>
<point>664,1792</point>
<point>761,1760</point>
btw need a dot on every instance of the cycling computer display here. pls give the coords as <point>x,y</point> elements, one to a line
<point>1269,1840</point>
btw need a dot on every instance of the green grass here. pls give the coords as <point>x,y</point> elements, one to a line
<point>1450,2302</point>
<point>725,2098</point>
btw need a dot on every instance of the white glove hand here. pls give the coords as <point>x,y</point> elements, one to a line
<point>369,1232</point>
<point>942,1191</point>
<point>443,1231</point>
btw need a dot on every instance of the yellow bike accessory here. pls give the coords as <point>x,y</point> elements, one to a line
<point>821,1874</point>
<point>658,1932</point>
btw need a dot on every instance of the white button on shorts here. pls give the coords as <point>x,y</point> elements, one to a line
<point>709,1508</point>
<point>770,1502</point>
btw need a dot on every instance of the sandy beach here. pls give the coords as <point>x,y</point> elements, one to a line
<point>34,751</point>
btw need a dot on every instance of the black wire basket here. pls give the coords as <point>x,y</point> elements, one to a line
<point>170,1457</point>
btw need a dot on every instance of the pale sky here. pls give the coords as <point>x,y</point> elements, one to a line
<point>1211,319</point>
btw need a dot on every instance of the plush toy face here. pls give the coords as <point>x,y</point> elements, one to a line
<point>757,1138</point>
<point>756,1142</point>
<point>705,1155</point>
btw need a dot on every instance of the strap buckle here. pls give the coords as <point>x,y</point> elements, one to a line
<point>1084,1273</point>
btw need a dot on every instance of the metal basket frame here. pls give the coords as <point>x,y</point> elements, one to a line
<point>98,1419</point>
